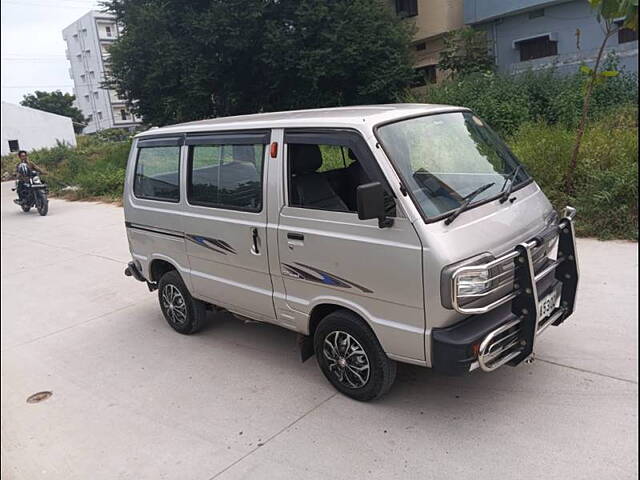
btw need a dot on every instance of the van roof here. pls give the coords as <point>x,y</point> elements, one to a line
<point>349,117</point>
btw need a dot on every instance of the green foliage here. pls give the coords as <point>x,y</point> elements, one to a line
<point>466,51</point>
<point>606,182</point>
<point>190,60</point>
<point>506,101</point>
<point>56,102</point>
<point>114,134</point>
<point>609,10</point>
<point>95,168</point>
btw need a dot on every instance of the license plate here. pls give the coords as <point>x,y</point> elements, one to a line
<point>549,303</point>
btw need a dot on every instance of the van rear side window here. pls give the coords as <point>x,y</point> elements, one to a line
<point>158,174</point>
<point>226,176</point>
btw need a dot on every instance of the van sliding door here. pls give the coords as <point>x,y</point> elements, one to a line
<point>225,221</point>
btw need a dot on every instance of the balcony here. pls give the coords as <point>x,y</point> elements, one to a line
<point>107,31</point>
<point>115,99</point>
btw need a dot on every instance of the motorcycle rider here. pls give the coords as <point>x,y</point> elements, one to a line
<point>23,171</point>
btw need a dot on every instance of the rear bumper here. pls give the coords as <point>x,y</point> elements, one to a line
<point>506,333</point>
<point>132,270</point>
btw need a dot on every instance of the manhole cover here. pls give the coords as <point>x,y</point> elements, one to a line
<point>39,397</point>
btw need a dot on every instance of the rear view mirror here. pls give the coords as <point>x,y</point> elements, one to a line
<point>370,197</point>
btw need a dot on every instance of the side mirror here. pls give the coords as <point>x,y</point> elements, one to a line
<point>370,197</point>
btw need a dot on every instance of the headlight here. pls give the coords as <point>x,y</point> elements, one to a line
<point>36,179</point>
<point>473,283</point>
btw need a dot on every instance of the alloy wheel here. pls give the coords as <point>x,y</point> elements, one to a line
<point>346,359</point>
<point>174,304</point>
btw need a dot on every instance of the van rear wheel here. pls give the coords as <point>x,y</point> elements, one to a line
<point>182,312</point>
<point>351,357</point>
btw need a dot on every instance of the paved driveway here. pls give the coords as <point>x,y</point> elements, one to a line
<point>132,399</point>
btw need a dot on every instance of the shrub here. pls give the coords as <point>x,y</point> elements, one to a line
<point>606,180</point>
<point>508,101</point>
<point>96,166</point>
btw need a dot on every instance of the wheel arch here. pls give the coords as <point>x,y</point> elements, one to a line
<point>323,308</point>
<point>159,265</point>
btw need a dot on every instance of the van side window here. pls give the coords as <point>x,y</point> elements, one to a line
<point>326,177</point>
<point>157,174</point>
<point>226,176</point>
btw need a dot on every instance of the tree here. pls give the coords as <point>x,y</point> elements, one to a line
<point>182,61</point>
<point>608,13</point>
<point>466,51</point>
<point>56,102</point>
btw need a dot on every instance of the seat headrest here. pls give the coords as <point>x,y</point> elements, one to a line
<point>244,153</point>
<point>304,158</point>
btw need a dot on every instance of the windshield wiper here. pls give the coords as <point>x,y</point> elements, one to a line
<point>511,181</point>
<point>467,201</point>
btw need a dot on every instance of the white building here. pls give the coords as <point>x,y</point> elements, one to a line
<point>88,40</point>
<point>26,128</point>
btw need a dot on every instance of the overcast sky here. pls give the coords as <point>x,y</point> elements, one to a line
<point>32,46</point>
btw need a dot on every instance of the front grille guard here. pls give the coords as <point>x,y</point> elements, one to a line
<point>514,342</point>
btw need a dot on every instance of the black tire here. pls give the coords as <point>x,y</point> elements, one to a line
<point>25,208</point>
<point>381,369</point>
<point>195,311</point>
<point>43,204</point>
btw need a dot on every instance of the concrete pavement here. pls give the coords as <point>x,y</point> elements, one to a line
<point>134,400</point>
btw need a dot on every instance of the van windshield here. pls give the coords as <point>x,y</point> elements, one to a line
<point>443,158</point>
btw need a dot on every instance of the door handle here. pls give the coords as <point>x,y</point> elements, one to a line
<point>254,235</point>
<point>295,239</point>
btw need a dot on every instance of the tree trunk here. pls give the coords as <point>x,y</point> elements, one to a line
<point>569,186</point>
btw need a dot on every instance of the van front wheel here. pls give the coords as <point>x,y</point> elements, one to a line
<point>182,312</point>
<point>351,357</point>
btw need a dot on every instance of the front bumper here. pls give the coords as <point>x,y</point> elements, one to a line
<point>506,332</point>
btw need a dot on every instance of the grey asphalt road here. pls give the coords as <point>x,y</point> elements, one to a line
<point>134,400</point>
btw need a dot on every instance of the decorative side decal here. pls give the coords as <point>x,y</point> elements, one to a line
<point>318,276</point>
<point>215,244</point>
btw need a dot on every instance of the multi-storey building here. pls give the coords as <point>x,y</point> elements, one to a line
<point>88,40</point>
<point>535,34</point>
<point>432,19</point>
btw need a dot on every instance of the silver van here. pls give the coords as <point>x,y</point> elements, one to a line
<point>380,234</point>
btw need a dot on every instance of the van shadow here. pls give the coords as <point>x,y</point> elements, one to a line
<point>415,387</point>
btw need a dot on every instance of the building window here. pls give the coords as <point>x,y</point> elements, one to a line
<point>421,46</point>
<point>537,48</point>
<point>536,13</point>
<point>14,146</point>
<point>99,115</point>
<point>108,30</point>
<point>626,35</point>
<point>123,114</point>
<point>407,8</point>
<point>424,75</point>
<point>95,95</point>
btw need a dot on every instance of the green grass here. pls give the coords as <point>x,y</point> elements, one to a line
<point>606,191</point>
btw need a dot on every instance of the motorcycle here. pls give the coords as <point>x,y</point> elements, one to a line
<point>34,194</point>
